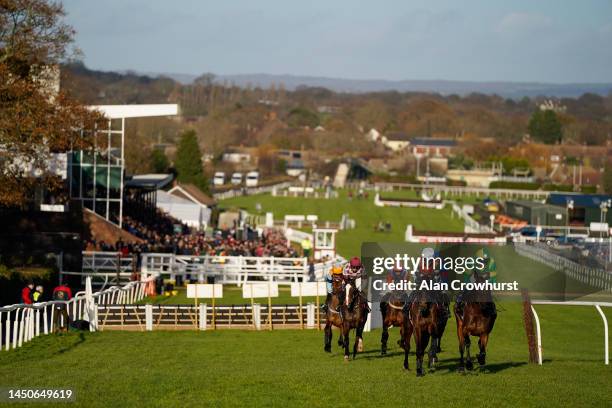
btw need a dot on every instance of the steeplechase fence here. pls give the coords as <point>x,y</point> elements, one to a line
<point>21,323</point>
<point>151,317</point>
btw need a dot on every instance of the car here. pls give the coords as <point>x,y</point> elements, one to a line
<point>236,179</point>
<point>252,179</point>
<point>219,178</point>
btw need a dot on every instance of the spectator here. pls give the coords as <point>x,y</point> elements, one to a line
<point>37,294</point>
<point>26,293</point>
<point>61,293</point>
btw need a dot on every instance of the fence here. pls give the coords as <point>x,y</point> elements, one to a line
<point>225,269</point>
<point>250,191</point>
<point>205,317</point>
<point>595,277</point>
<point>597,305</point>
<point>21,323</point>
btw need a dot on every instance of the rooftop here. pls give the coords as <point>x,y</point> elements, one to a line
<point>423,141</point>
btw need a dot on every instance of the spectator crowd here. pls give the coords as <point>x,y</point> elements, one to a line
<point>167,235</point>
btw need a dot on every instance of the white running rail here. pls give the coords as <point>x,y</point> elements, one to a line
<point>20,323</point>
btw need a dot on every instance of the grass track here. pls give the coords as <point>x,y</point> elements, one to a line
<point>289,368</point>
<point>363,211</point>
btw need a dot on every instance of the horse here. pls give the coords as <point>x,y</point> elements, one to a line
<point>333,316</point>
<point>475,316</point>
<point>347,309</point>
<point>427,318</point>
<point>393,315</point>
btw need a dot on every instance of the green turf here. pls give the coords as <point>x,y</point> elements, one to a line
<point>363,211</point>
<point>289,368</point>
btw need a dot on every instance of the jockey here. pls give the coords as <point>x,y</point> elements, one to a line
<point>334,272</point>
<point>488,273</point>
<point>353,271</point>
<point>396,275</point>
<point>426,270</point>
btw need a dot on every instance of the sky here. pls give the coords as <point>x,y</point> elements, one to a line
<point>559,41</point>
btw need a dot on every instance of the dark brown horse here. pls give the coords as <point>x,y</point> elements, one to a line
<point>427,317</point>
<point>475,315</point>
<point>393,315</point>
<point>347,309</point>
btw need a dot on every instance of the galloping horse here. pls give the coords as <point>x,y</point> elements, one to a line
<point>475,317</point>
<point>347,309</point>
<point>393,315</point>
<point>427,318</point>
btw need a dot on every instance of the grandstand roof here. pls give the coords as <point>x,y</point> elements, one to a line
<point>136,111</point>
<point>155,181</point>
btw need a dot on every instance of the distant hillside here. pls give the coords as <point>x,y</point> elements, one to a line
<point>506,89</point>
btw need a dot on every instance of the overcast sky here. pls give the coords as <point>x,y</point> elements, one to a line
<point>518,40</point>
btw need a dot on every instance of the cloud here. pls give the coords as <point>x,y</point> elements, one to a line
<point>523,23</point>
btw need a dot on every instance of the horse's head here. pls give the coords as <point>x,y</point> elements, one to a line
<point>337,286</point>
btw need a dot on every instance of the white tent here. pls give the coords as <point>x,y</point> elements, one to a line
<point>192,214</point>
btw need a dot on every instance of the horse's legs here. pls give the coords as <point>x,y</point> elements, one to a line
<point>341,338</point>
<point>383,338</point>
<point>328,337</point>
<point>359,338</point>
<point>461,339</point>
<point>482,344</point>
<point>406,340</point>
<point>468,363</point>
<point>421,338</point>
<point>345,338</point>
<point>432,352</point>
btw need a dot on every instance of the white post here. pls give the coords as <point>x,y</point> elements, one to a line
<point>606,347</point>
<point>257,316</point>
<point>16,328</point>
<point>539,335</point>
<point>310,315</point>
<point>7,332</point>
<point>202,311</point>
<point>149,317</point>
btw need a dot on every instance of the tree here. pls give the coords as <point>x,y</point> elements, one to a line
<point>36,120</point>
<point>159,161</point>
<point>545,126</point>
<point>188,161</point>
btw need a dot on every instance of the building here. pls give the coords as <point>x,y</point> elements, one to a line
<point>236,157</point>
<point>474,177</point>
<point>583,209</point>
<point>427,147</point>
<point>396,141</point>
<point>536,213</point>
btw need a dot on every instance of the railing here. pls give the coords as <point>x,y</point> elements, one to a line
<point>21,323</point>
<point>249,191</point>
<point>225,269</point>
<point>595,277</point>
<point>108,263</point>
<point>205,317</point>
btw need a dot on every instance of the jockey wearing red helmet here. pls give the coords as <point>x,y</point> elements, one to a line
<point>353,269</point>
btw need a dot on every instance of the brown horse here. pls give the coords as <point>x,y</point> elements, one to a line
<point>333,316</point>
<point>393,315</point>
<point>475,315</point>
<point>427,319</point>
<point>347,309</point>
